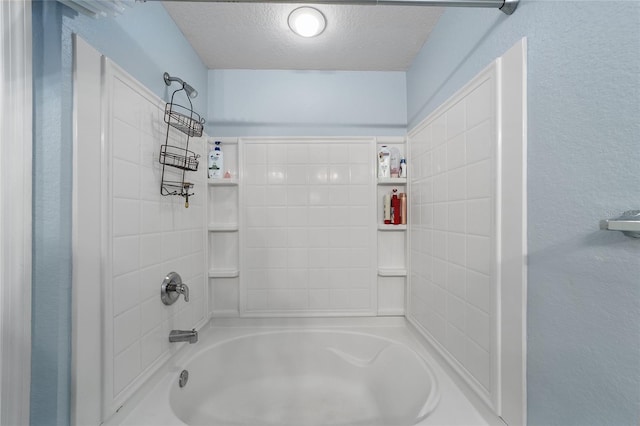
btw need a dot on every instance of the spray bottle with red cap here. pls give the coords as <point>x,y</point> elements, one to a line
<point>395,208</point>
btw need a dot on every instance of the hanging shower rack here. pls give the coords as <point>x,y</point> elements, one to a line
<point>188,122</point>
<point>506,6</point>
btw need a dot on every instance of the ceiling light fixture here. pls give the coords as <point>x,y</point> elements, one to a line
<point>307,21</point>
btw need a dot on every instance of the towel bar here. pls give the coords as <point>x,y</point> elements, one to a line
<point>628,224</point>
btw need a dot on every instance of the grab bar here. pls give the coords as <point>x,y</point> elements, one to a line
<point>628,224</point>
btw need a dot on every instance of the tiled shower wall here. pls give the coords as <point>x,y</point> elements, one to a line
<point>453,229</point>
<point>309,237</point>
<point>150,236</point>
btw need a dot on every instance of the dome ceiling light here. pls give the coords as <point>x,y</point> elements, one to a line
<point>307,21</point>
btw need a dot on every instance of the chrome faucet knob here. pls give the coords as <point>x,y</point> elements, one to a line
<point>171,289</point>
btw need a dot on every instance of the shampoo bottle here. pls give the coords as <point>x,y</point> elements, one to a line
<point>216,162</point>
<point>386,200</point>
<point>403,168</point>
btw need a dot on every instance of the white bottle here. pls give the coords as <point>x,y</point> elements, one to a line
<point>383,162</point>
<point>394,162</point>
<point>386,216</point>
<point>403,168</point>
<point>216,162</point>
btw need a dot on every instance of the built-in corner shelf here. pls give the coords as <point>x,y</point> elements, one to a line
<point>392,272</point>
<point>227,227</point>
<point>392,181</point>
<point>391,239</point>
<point>385,227</point>
<point>223,231</point>
<point>224,273</point>
<point>223,182</point>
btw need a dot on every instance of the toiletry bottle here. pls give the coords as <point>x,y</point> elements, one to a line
<point>394,162</point>
<point>210,161</point>
<point>216,162</point>
<point>403,208</point>
<point>403,168</point>
<point>386,201</point>
<point>395,208</point>
<point>383,162</point>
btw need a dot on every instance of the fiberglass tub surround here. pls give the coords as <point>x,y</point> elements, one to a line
<point>296,232</point>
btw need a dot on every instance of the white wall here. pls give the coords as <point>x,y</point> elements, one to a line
<point>143,237</point>
<point>308,230</point>
<point>151,235</point>
<point>276,103</point>
<point>453,248</point>
<point>15,211</point>
<point>468,234</point>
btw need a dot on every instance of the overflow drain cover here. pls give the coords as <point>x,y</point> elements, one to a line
<point>184,378</point>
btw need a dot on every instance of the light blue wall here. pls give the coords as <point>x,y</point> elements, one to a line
<point>145,42</point>
<point>583,156</point>
<point>51,293</point>
<point>313,103</point>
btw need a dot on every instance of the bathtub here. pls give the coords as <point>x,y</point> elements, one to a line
<point>313,373</point>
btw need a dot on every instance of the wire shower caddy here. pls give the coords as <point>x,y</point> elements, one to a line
<point>188,122</point>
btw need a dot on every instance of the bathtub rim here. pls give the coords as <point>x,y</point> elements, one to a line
<point>386,326</point>
<point>429,405</point>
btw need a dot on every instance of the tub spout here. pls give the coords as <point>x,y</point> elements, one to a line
<point>190,336</point>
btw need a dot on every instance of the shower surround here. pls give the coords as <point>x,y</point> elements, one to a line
<point>143,237</point>
<point>308,241</point>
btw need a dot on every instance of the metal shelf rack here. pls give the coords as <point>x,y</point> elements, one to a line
<point>188,122</point>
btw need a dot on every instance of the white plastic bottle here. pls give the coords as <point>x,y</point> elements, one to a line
<point>394,162</point>
<point>403,168</point>
<point>386,216</point>
<point>216,162</point>
<point>383,162</point>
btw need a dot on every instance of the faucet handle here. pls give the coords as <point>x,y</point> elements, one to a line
<point>183,289</point>
<point>171,289</point>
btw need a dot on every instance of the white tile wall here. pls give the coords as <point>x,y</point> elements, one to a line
<point>309,228</point>
<point>151,236</point>
<point>453,230</point>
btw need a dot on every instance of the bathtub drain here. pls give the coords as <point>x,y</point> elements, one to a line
<point>184,378</point>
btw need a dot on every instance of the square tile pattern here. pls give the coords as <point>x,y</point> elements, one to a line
<point>453,230</point>
<point>309,241</point>
<point>151,235</point>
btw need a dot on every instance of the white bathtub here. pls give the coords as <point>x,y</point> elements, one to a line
<point>300,375</point>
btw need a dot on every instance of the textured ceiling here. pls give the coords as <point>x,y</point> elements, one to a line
<point>256,35</point>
